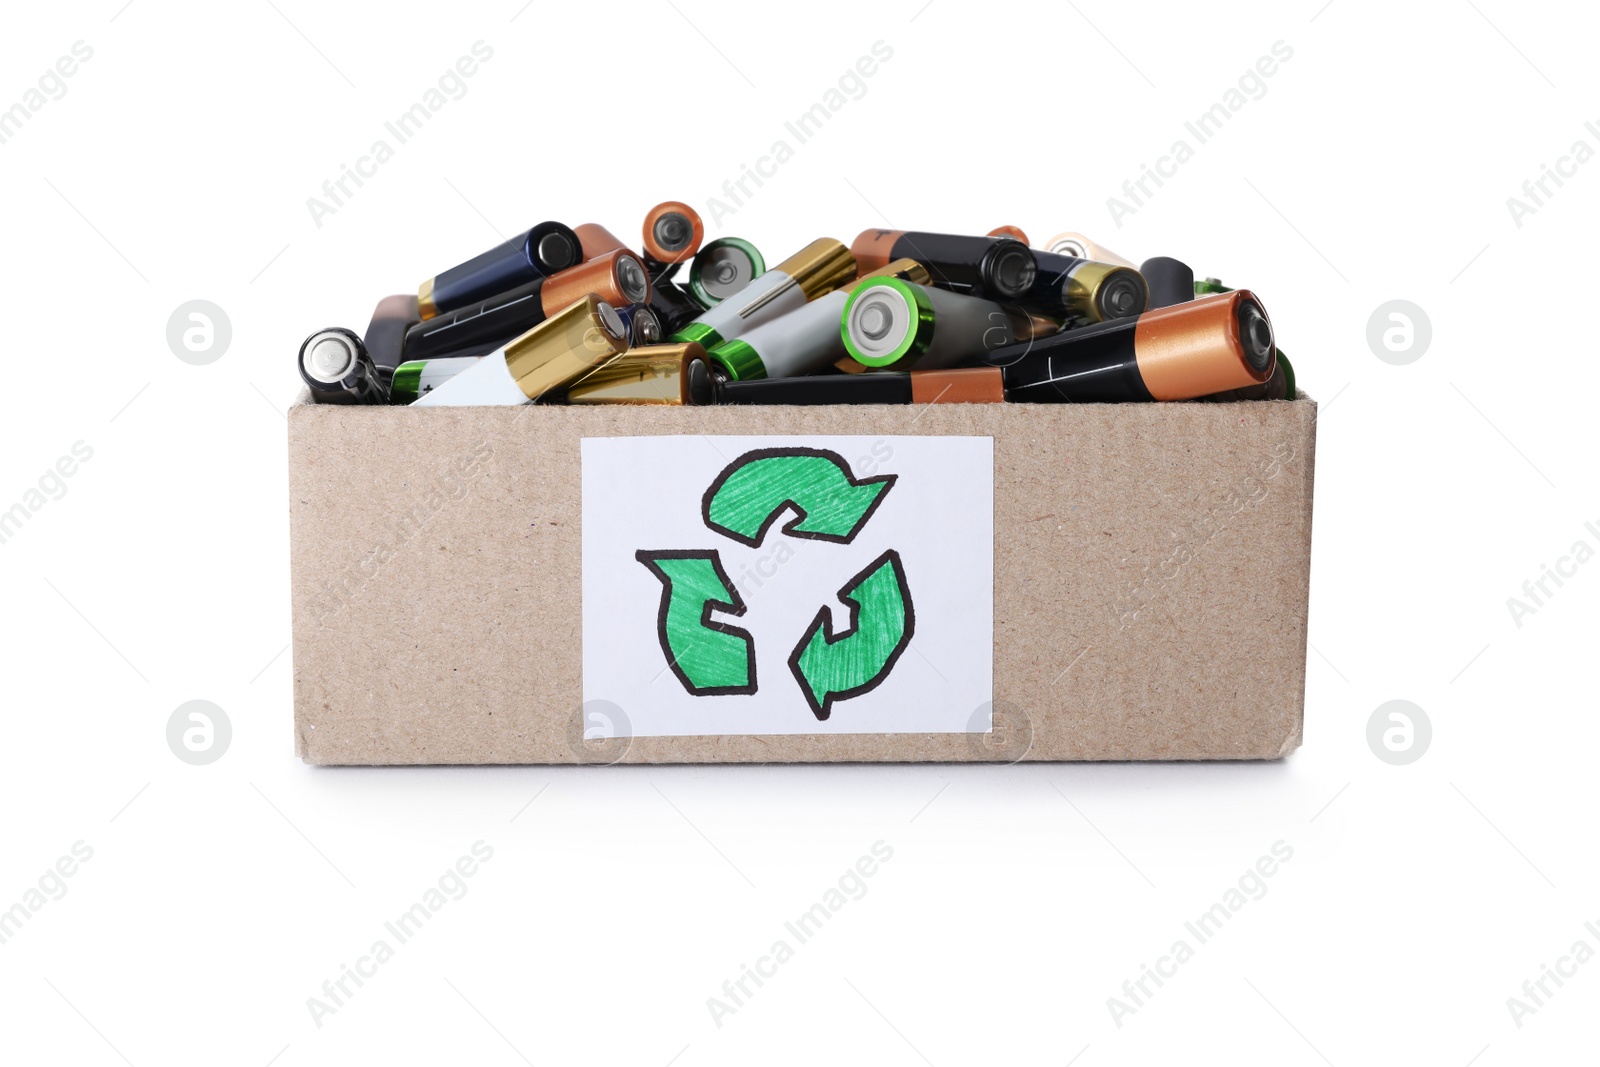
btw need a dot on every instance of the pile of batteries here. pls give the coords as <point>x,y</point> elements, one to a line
<point>570,315</point>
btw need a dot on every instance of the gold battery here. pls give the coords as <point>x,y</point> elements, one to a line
<point>656,375</point>
<point>820,267</point>
<point>905,269</point>
<point>564,347</point>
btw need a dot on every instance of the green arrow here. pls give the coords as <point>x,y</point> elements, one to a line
<point>709,658</point>
<point>838,667</point>
<point>750,494</point>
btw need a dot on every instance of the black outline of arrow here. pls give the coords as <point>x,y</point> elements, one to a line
<point>820,623</point>
<point>737,607</point>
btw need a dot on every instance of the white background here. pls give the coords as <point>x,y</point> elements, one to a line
<point>1377,166</point>
<point>645,493</point>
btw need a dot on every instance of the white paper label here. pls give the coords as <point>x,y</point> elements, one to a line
<point>787,585</point>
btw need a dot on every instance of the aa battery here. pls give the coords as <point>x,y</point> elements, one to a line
<point>820,267</point>
<point>673,232</point>
<point>962,385</point>
<point>1181,352</point>
<point>596,240</point>
<point>1206,286</point>
<point>336,368</point>
<point>641,324</point>
<point>386,332</point>
<point>724,267</point>
<point>674,307</point>
<point>805,340</point>
<point>890,323</point>
<point>1171,281</point>
<point>999,268</point>
<point>553,354</point>
<point>1086,290</point>
<point>419,377</point>
<point>655,375</point>
<point>544,250</point>
<point>617,277</point>
<point>1078,246</point>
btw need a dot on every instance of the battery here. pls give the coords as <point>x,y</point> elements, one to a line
<point>1205,286</point>
<point>805,340</point>
<point>674,307</point>
<point>961,385</point>
<point>335,366</point>
<point>999,268</point>
<point>547,248</point>
<point>1181,352</point>
<point>477,328</point>
<point>1080,247</point>
<point>890,323</point>
<point>419,377</point>
<point>1086,290</point>
<point>722,268</point>
<point>1010,231</point>
<point>558,351</point>
<point>616,277</point>
<point>820,267</point>
<point>386,332</point>
<point>596,240</point>
<point>642,325</point>
<point>653,375</point>
<point>673,232</point>
<point>1171,281</point>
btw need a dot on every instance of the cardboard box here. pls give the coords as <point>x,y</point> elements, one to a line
<point>1150,581</point>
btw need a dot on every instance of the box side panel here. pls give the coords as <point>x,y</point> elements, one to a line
<point>1150,581</point>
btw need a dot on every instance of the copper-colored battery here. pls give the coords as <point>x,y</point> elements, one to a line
<point>655,375</point>
<point>616,277</point>
<point>596,240</point>
<point>673,232</point>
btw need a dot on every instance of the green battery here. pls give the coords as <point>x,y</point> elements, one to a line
<point>723,267</point>
<point>418,376</point>
<point>893,323</point>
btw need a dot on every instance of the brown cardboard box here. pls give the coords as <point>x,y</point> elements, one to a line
<point>1150,581</point>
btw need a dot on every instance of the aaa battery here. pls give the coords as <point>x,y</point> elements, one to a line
<point>544,250</point>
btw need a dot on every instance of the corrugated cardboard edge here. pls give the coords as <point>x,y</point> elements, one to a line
<point>1151,575</point>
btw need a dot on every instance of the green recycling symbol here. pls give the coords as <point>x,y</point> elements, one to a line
<point>712,658</point>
